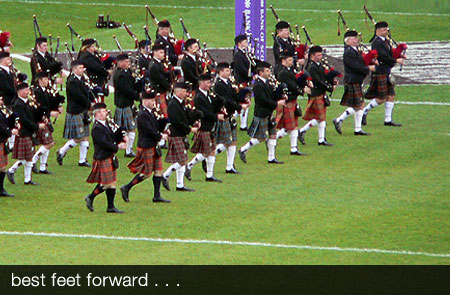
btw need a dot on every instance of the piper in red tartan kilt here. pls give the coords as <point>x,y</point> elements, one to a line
<point>104,168</point>
<point>355,72</point>
<point>148,159</point>
<point>315,112</point>
<point>181,119</point>
<point>204,141</point>
<point>381,89</point>
<point>7,128</point>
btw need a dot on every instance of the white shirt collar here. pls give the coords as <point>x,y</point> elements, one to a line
<point>5,68</point>
<point>224,80</point>
<point>148,109</point>
<point>43,54</point>
<point>382,38</point>
<point>354,47</point>
<point>78,77</point>
<point>22,99</point>
<point>192,56</point>
<point>165,37</point>
<point>204,92</point>
<point>101,121</point>
<point>157,60</point>
<point>177,98</point>
<point>262,79</point>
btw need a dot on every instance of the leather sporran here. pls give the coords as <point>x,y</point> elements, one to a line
<point>326,100</point>
<point>115,162</point>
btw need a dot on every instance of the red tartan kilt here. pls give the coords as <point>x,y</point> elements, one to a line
<point>176,152</point>
<point>102,172</point>
<point>44,136</point>
<point>162,102</point>
<point>23,148</point>
<point>286,117</point>
<point>145,161</point>
<point>315,109</point>
<point>3,156</point>
<point>353,96</point>
<point>380,87</point>
<point>203,143</point>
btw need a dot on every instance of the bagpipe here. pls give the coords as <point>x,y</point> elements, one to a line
<point>194,115</point>
<point>135,70</point>
<point>11,117</point>
<point>279,89</point>
<point>119,132</point>
<point>369,56</point>
<point>242,90</point>
<point>55,66</point>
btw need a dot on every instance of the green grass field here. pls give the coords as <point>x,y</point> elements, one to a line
<point>388,191</point>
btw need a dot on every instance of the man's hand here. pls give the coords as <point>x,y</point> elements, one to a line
<point>54,114</point>
<point>42,125</point>
<point>180,57</point>
<point>221,117</point>
<point>15,131</point>
<point>165,136</point>
<point>122,146</point>
<point>59,81</point>
<point>281,102</point>
<point>372,68</point>
<point>400,61</point>
<point>194,129</point>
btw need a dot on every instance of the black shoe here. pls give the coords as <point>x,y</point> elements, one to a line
<point>165,183</point>
<point>243,129</point>
<point>46,172</point>
<point>125,192</point>
<point>392,123</point>
<point>298,153</point>
<point>364,120</point>
<point>362,132</point>
<point>89,203</point>
<point>10,177</point>
<point>31,182</point>
<point>35,169</point>
<point>301,137</point>
<point>204,166</point>
<point>84,164</point>
<point>3,193</point>
<point>187,173</point>
<point>113,210</point>
<point>59,158</point>
<point>337,126</point>
<point>242,155</point>
<point>160,200</point>
<point>232,171</point>
<point>275,161</point>
<point>213,179</point>
<point>325,143</point>
<point>184,189</point>
<point>130,155</point>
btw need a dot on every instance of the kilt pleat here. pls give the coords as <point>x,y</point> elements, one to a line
<point>176,152</point>
<point>225,133</point>
<point>261,128</point>
<point>124,118</point>
<point>286,117</point>
<point>102,172</point>
<point>145,162</point>
<point>161,99</point>
<point>380,87</point>
<point>23,148</point>
<point>44,136</point>
<point>353,96</point>
<point>203,143</point>
<point>74,127</point>
<point>315,109</point>
<point>3,156</point>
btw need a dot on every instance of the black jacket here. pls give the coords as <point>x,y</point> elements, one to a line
<point>7,89</point>
<point>319,79</point>
<point>27,118</point>
<point>77,96</point>
<point>149,129</point>
<point>206,106</point>
<point>287,76</point>
<point>46,101</point>
<point>159,78</point>
<point>226,91</point>
<point>281,46</point>
<point>94,67</point>
<point>385,59</point>
<point>104,142</point>
<point>173,57</point>
<point>241,66</point>
<point>144,62</point>
<point>125,92</point>
<point>179,119</point>
<point>264,102</point>
<point>5,132</point>
<point>47,64</point>
<point>191,70</point>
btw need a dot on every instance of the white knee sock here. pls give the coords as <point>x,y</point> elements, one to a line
<point>322,126</point>
<point>281,133</point>
<point>358,119</point>
<point>244,117</point>
<point>198,158</point>
<point>11,140</point>
<point>220,148</point>
<point>231,153</point>
<point>28,167</point>
<point>249,144</point>
<point>293,136</point>
<point>130,143</point>
<point>271,145</point>
<point>16,165</point>
<point>180,176</point>
<point>44,159</point>
<point>348,112</point>
<point>389,107</point>
<point>308,125</point>
<point>38,154</point>
<point>171,169</point>
<point>210,166</point>
<point>84,147</point>
<point>371,105</point>
<point>69,145</point>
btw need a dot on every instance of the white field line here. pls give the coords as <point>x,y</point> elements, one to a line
<point>218,7</point>
<point>218,242</point>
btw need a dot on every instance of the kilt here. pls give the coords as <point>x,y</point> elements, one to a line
<point>286,117</point>
<point>124,118</point>
<point>353,96</point>
<point>3,156</point>
<point>74,127</point>
<point>44,136</point>
<point>145,162</point>
<point>203,143</point>
<point>380,87</point>
<point>315,109</point>
<point>176,152</point>
<point>162,102</point>
<point>225,133</point>
<point>102,172</point>
<point>23,148</point>
<point>261,128</point>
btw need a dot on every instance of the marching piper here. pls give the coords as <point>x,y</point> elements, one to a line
<point>7,128</point>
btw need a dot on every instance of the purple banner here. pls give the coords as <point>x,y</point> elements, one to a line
<point>250,18</point>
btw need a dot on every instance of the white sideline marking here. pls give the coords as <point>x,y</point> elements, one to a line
<point>255,244</point>
<point>219,7</point>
